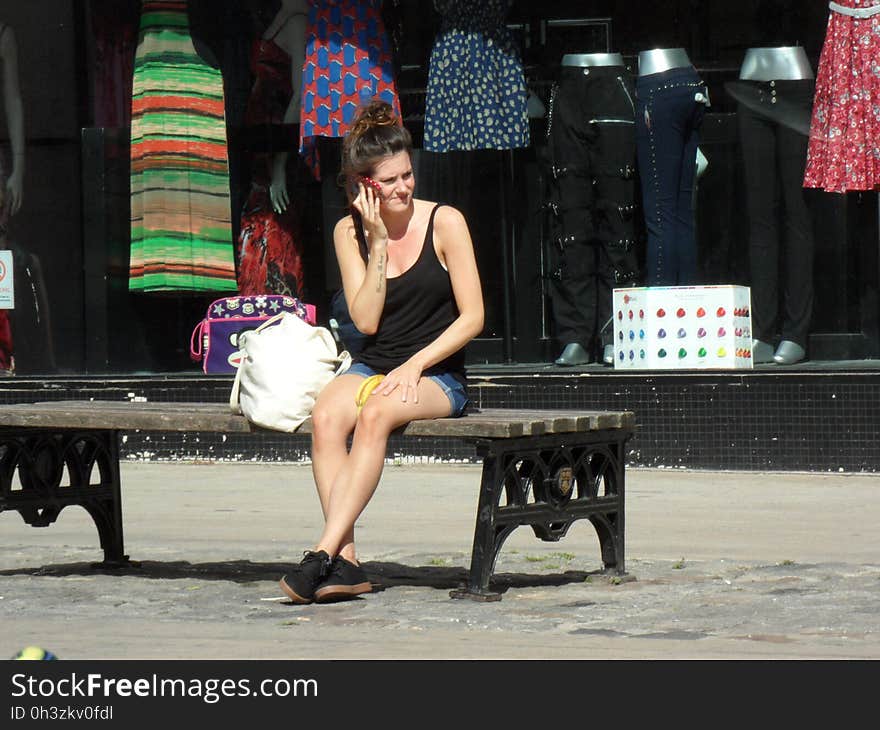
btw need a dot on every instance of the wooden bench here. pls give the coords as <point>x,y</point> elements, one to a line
<point>543,468</point>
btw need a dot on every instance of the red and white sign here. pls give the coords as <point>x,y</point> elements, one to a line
<point>7,288</point>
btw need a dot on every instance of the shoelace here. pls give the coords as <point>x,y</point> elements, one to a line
<point>336,568</point>
<point>310,556</point>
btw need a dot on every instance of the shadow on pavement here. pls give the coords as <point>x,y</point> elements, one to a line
<point>382,574</point>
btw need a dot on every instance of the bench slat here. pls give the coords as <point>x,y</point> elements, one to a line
<point>216,417</point>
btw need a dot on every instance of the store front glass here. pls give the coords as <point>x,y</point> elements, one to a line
<point>160,156</point>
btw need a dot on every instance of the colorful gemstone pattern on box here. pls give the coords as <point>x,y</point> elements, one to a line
<point>699,327</point>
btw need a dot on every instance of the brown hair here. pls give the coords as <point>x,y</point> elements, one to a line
<point>376,132</point>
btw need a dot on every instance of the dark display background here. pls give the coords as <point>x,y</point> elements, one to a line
<point>74,222</point>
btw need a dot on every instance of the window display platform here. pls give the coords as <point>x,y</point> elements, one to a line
<point>816,416</point>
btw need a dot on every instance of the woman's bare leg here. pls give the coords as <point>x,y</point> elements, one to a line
<point>333,420</point>
<point>357,479</point>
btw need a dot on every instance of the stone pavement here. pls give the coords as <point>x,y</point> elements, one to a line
<point>724,565</point>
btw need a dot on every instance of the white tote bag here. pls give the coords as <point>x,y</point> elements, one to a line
<point>285,363</point>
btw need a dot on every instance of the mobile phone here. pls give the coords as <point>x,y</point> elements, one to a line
<point>368,181</point>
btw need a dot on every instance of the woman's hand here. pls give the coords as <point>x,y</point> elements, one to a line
<point>404,379</point>
<point>368,204</point>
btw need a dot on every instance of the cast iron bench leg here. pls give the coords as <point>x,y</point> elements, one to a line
<point>549,483</point>
<point>59,469</point>
<point>487,538</point>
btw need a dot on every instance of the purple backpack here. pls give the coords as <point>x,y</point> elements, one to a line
<point>214,340</point>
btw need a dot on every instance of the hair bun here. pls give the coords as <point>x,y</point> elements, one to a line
<point>377,113</point>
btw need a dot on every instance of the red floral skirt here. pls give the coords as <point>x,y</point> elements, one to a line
<point>844,147</point>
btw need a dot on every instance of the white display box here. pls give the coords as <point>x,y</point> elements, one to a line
<point>682,328</point>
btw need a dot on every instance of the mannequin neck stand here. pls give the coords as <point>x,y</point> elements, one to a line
<point>662,59</point>
<point>786,63</point>
<point>583,60</point>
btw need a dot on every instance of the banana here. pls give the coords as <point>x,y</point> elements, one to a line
<point>363,392</point>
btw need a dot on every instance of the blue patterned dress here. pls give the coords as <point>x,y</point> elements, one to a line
<point>476,86</point>
<point>348,63</point>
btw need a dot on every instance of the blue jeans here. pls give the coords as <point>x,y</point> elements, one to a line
<point>454,390</point>
<point>668,118</point>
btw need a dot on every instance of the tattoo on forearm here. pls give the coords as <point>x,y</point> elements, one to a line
<point>381,266</point>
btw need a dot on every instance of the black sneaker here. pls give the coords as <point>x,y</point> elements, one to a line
<point>300,584</point>
<point>346,580</point>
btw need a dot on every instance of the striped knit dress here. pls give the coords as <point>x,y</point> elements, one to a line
<point>181,231</point>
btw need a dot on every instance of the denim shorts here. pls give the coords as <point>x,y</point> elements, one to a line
<point>454,390</point>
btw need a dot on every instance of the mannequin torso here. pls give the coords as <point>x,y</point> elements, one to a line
<point>786,63</point>
<point>582,60</point>
<point>662,59</point>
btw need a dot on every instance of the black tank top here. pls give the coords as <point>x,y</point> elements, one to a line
<point>419,305</point>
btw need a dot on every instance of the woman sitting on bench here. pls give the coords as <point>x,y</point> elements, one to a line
<point>411,284</point>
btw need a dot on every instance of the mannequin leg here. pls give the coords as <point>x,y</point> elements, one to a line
<point>574,307</point>
<point>652,201</point>
<point>685,234</point>
<point>667,115</point>
<point>798,243</point>
<point>758,148</point>
<point>614,159</point>
<point>572,283</point>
